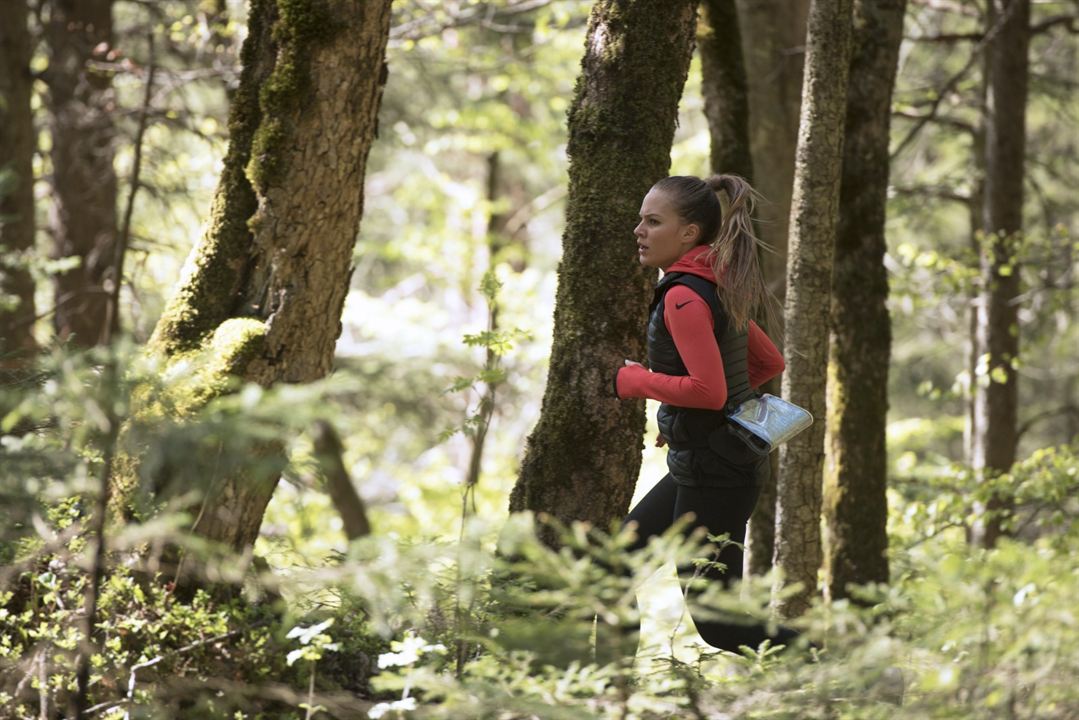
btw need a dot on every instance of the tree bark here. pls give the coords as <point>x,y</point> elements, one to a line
<point>16,184</point>
<point>83,212</point>
<point>814,212</point>
<point>724,87</point>
<point>773,60</point>
<point>583,457</point>
<point>264,289</point>
<point>996,396</point>
<point>856,504</point>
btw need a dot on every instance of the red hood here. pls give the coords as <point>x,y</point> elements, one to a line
<point>695,262</point>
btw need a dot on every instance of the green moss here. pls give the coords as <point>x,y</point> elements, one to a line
<point>190,380</point>
<point>300,24</point>
<point>195,378</point>
<point>208,294</point>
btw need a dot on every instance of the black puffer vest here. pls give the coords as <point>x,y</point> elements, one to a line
<point>702,451</point>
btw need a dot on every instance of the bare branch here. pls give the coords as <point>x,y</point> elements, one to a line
<point>946,37</point>
<point>1065,410</point>
<point>934,191</point>
<point>975,55</point>
<point>1070,23</point>
<point>350,506</point>
<point>483,15</point>
<point>939,120</point>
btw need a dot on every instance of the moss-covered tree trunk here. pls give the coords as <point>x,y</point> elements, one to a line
<point>263,291</point>
<point>996,397</point>
<point>83,219</point>
<point>583,457</point>
<point>16,183</point>
<point>814,213</point>
<point>773,33</point>
<point>855,499</point>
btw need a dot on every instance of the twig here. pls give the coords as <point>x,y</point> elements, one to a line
<point>940,120</point>
<point>311,695</point>
<point>423,26</point>
<point>936,191</point>
<point>97,568</point>
<point>1067,410</point>
<point>946,37</point>
<point>31,670</point>
<point>43,689</point>
<point>112,315</point>
<point>1068,21</point>
<point>130,698</point>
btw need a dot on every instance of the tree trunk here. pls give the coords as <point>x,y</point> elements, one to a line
<point>856,504</point>
<point>16,184</point>
<point>264,289</point>
<point>774,55</point>
<point>773,60</point>
<point>83,213</point>
<point>814,211</point>
<point>726,106</point>
<point>583,457</point>
<point>723,85</point>
<point>996,393</point>
<point>974,211</point>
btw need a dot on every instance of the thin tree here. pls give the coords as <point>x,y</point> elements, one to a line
<point>16,183</point>
<point>773,36</point>
<point>725,88</point>
<point>582,459</point>
<point>83,219</point>
<point>855,498</point>
<point>264,289</point>
<point>814,214</point>
<point>996,397</point>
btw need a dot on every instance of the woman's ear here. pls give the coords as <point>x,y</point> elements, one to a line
<point>691,234</point>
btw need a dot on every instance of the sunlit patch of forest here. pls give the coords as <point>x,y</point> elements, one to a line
<point>278,294</point>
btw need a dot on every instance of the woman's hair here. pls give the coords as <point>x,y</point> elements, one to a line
<point>734,247</point>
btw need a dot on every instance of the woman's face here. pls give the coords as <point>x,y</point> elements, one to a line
<point>662,237</point>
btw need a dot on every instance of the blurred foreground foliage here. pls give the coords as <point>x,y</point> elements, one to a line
<point>482,620</point>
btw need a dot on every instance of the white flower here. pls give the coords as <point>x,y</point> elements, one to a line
<point>403,705</point>
<point>408,651</point>
<point>307,634</point>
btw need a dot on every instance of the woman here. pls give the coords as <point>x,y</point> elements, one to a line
<point>705,355</point>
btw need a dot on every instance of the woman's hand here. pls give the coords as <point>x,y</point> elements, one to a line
<point>660,440</point>
<point>627,364</point>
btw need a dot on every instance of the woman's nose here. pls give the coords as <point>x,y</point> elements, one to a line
<point>639,230</point>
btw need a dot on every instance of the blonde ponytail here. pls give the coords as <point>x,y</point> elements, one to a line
<point>735,254</point>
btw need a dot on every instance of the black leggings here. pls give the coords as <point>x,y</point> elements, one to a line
<point>720,510</point>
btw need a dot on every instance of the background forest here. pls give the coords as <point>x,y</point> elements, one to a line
<point>258,457</point>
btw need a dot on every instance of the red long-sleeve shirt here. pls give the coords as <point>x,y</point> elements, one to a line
<point>689,320</point>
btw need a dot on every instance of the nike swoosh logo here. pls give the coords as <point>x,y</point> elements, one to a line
<point>680,306</point>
